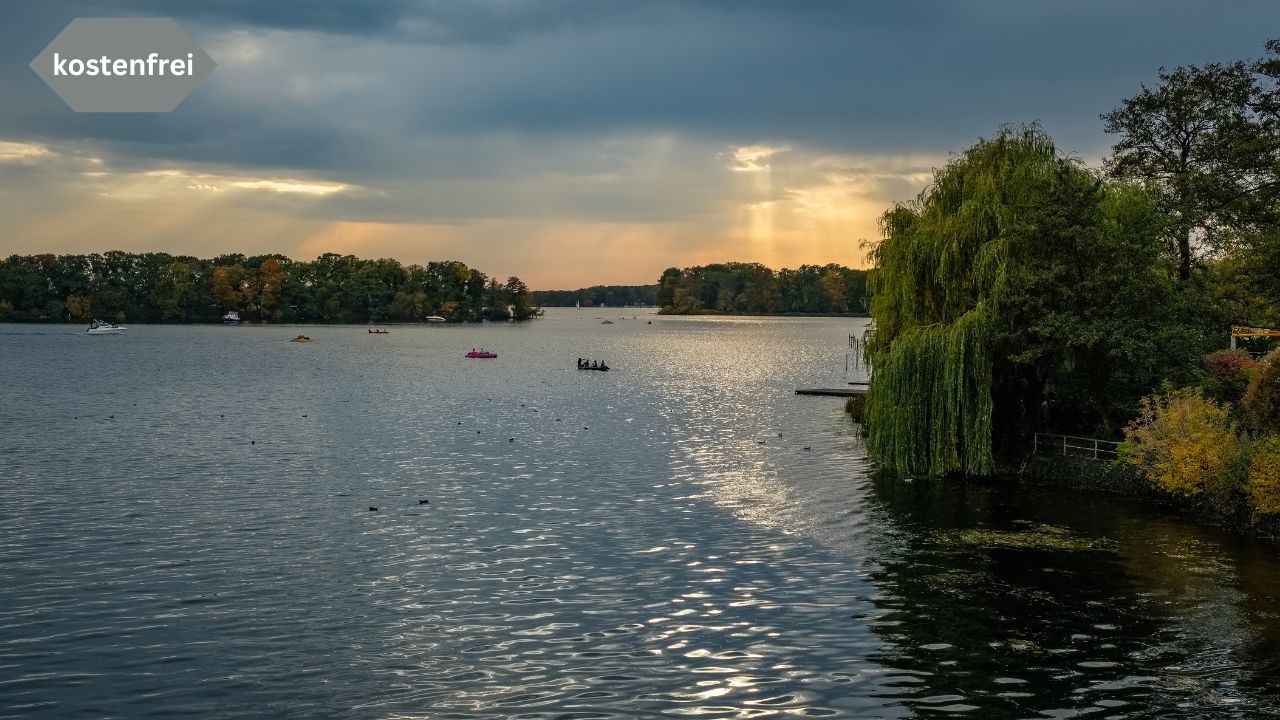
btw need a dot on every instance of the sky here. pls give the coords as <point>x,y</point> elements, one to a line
<point>569,142</point>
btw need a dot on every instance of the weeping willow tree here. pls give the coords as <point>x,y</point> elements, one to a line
<point>941,271</point>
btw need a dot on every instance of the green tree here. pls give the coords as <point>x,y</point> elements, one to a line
<point>1017,278</point>
<point>521,299</point>
<point>161,287</point>
<point>497,304</point>
<point>1207,137</point>
<point>684,303</point>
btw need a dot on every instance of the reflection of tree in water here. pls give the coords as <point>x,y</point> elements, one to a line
<point>996,597</point>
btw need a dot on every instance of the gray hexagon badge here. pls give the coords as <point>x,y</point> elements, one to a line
<point>122,64</point>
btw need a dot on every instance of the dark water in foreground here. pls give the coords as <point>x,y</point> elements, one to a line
<point>633,544</point>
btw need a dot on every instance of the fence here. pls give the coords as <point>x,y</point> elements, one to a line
<point>1076,446</point>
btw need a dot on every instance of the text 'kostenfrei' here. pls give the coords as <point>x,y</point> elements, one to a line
<point>151,66</point>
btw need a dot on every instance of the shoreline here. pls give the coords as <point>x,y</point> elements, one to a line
<point>1114,478</point>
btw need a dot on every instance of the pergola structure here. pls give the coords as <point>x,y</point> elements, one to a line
<point>1239,331</point>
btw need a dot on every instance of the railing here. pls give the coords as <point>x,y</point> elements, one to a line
<point>1075,446</point>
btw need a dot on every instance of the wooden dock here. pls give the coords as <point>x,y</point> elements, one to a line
<point>834,392</point>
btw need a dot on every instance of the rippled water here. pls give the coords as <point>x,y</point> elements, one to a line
<point>186,532</point>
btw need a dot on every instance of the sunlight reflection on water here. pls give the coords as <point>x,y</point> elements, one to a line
<point>651,541</point>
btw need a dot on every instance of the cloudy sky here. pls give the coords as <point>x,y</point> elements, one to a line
<point>570,142</point>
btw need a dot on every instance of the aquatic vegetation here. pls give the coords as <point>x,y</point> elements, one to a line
<point>856,407</point>
<point>1034,537</point>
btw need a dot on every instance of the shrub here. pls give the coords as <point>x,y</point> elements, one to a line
<point>856,407</point>
<point>1186,445</point>
<point>1262,399</point>
<point>1229,363</point>
<point>1264,477</point>
<point>1229,372</point>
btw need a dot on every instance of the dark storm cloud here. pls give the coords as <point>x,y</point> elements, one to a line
<point>357,89</point>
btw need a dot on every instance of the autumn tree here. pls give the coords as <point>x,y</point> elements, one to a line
<point>225,287</point>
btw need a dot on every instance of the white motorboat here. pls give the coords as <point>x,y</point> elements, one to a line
<point>231,318</point>
<point>100,327</point>
<point>436,319</point>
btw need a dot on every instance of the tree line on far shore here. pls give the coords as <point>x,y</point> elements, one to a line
<point>158,287</point>
<point>753,289</point>
<point>596,295</point>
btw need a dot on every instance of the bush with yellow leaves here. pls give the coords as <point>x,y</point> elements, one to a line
<point>1264,477</point>
<point>1188,445</point>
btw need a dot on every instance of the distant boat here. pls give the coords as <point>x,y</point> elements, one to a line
<point>435,319</point>
<point>231,318</point>
<point>607,322</point>
<point>301,338</point>
<point>482,354</point>
<point>602,367</point>
<point>99,327</point>
<point>374,331</point>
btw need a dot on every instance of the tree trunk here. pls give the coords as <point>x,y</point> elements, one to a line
<point>1184,255</point>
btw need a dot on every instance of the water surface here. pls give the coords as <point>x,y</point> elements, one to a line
<point>185,530</point>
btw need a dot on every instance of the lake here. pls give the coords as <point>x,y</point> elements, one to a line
<point>186,531</point>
